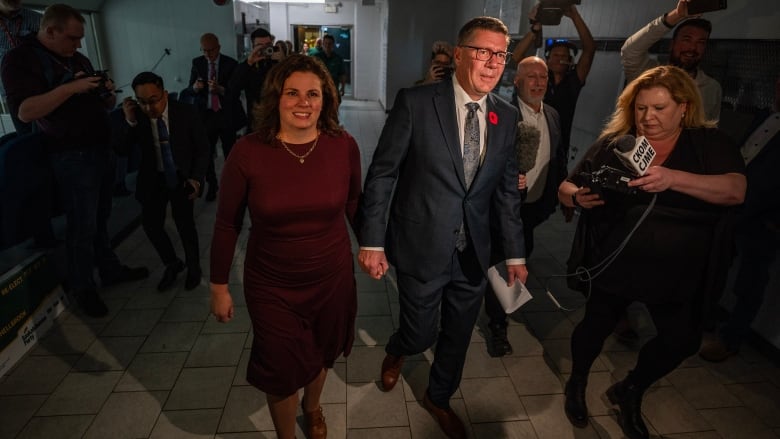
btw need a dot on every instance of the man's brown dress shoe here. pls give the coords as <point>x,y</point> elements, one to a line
<point>391,369</point>
<point>315,424</point>
<point>449,422</point>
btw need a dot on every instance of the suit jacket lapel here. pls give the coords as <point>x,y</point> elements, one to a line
<point>444,104</point>
<point>553,134</point>
<point>492,133</point>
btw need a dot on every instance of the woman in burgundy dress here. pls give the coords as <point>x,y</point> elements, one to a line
<point>299,175</point>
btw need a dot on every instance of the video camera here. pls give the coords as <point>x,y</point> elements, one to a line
<point>550,12</point>
<point>608,178</point>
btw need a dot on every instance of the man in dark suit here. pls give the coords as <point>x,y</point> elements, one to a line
<point>221,111</point>
<point>447,153</point>
<point>174,159</point>
<point>541,181</point>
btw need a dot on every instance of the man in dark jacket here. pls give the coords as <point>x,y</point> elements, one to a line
<point>174,159</point>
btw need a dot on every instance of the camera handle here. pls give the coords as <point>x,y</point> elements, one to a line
<point>585,274</point>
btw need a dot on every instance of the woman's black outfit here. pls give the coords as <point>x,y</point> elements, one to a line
<point>663,265</point>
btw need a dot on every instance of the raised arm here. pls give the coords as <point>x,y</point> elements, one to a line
<point>521,49</point>
<point>588,44</point>
<point>634,54</point>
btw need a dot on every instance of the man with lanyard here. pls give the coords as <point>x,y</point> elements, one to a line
<point>53,85</point>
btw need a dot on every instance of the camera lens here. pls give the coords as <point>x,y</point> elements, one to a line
<point>268,51</point>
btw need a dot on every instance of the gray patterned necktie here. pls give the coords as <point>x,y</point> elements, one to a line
<point>470,160</point>
<point>471,143</point>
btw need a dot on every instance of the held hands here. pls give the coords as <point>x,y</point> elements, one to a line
<point>373,262</point>
<point>221,302</point>
<point>657,179</point>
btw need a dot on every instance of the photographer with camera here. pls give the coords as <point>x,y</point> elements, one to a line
<point>51,84</point>
<point>689,41</point>
<point>566,77</point>
<point>249,76</point>
<point>695,175</point>
<point>441,63</point>
<point>170,172</point>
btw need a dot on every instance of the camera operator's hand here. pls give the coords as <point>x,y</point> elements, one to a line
<point>569,11</point>
<point>585,199</point>
<point>679,13</point>
<point>83,83</point>
<point>110,85</point>
<point>129,107</point>
<point>198,85</point>
<point>257,54</point>
<point>657,179</point>
<point>532,14</point>
<point>214,87</point>
<point>435,73</point>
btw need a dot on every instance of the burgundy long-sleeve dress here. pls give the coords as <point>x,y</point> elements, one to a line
<point>298,273</point>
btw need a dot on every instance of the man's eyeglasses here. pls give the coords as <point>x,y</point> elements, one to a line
<point>149,102</point>
<point>483,54</point>
<point>212,50</point>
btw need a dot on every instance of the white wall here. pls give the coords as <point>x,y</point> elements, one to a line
<point>366,23</point>
<point>366,43</point>
<point>410,37</point>
<point>135,33</point>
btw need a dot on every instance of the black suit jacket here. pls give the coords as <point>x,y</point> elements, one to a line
<point>229,100</point>
<point>418,161</point>
<point>189,146</point>
<point>557,170</point>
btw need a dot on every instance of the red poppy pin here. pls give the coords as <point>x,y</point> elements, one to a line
<point>493,118</point>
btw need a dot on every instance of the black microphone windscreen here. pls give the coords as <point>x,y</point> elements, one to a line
<point>528,139</point>
<point>625,143</point>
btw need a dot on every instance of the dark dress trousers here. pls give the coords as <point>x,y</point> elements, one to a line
<point>534,213</point>
<point>191,156</point>
<point>418,161</point>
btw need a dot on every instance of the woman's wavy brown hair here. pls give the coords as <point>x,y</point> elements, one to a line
<point>266,112</point>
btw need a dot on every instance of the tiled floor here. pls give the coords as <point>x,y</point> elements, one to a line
<point>158,367</point>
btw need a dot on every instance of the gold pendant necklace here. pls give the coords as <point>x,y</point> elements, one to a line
<point>301,158</point>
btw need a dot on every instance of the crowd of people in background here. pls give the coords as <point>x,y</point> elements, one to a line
<point>447,221</point>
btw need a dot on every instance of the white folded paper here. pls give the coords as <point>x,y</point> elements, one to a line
<point>511,298</point>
